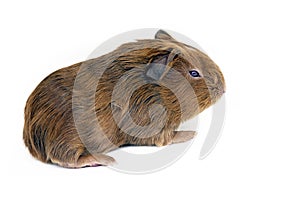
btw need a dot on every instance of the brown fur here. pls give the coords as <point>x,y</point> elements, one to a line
<point>53,134</point>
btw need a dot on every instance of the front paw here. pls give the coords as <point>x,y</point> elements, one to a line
<point>183,136</point>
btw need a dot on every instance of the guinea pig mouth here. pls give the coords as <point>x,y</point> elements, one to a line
<point>216,93</point>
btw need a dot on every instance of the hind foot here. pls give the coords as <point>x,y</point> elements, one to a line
<point>183,136</point>
<point>89,160</point>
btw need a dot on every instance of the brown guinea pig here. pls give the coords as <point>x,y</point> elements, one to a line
<point>137,94</point>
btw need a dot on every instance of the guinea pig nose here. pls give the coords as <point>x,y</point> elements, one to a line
<point>221,90</point>
<point>224,89</point>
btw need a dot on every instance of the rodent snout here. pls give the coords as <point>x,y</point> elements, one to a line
<point>216,87</point>
<point>217,91</point>
<point>222,89</point>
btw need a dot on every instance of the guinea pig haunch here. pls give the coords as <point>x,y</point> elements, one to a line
<point>137,94</point>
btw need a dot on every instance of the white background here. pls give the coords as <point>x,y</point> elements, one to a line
<point>256,44</point>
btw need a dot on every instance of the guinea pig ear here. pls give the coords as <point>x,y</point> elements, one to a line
<point>163,35</point>
<point>160,65</point>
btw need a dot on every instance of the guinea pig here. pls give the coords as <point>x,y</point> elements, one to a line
<point>137,94</point>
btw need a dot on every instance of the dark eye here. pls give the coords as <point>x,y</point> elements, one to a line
<point>194,73</point>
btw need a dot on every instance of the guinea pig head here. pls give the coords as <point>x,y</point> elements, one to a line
<point>188,77</point>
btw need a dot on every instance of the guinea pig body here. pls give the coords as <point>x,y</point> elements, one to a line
<point>137,94</point>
